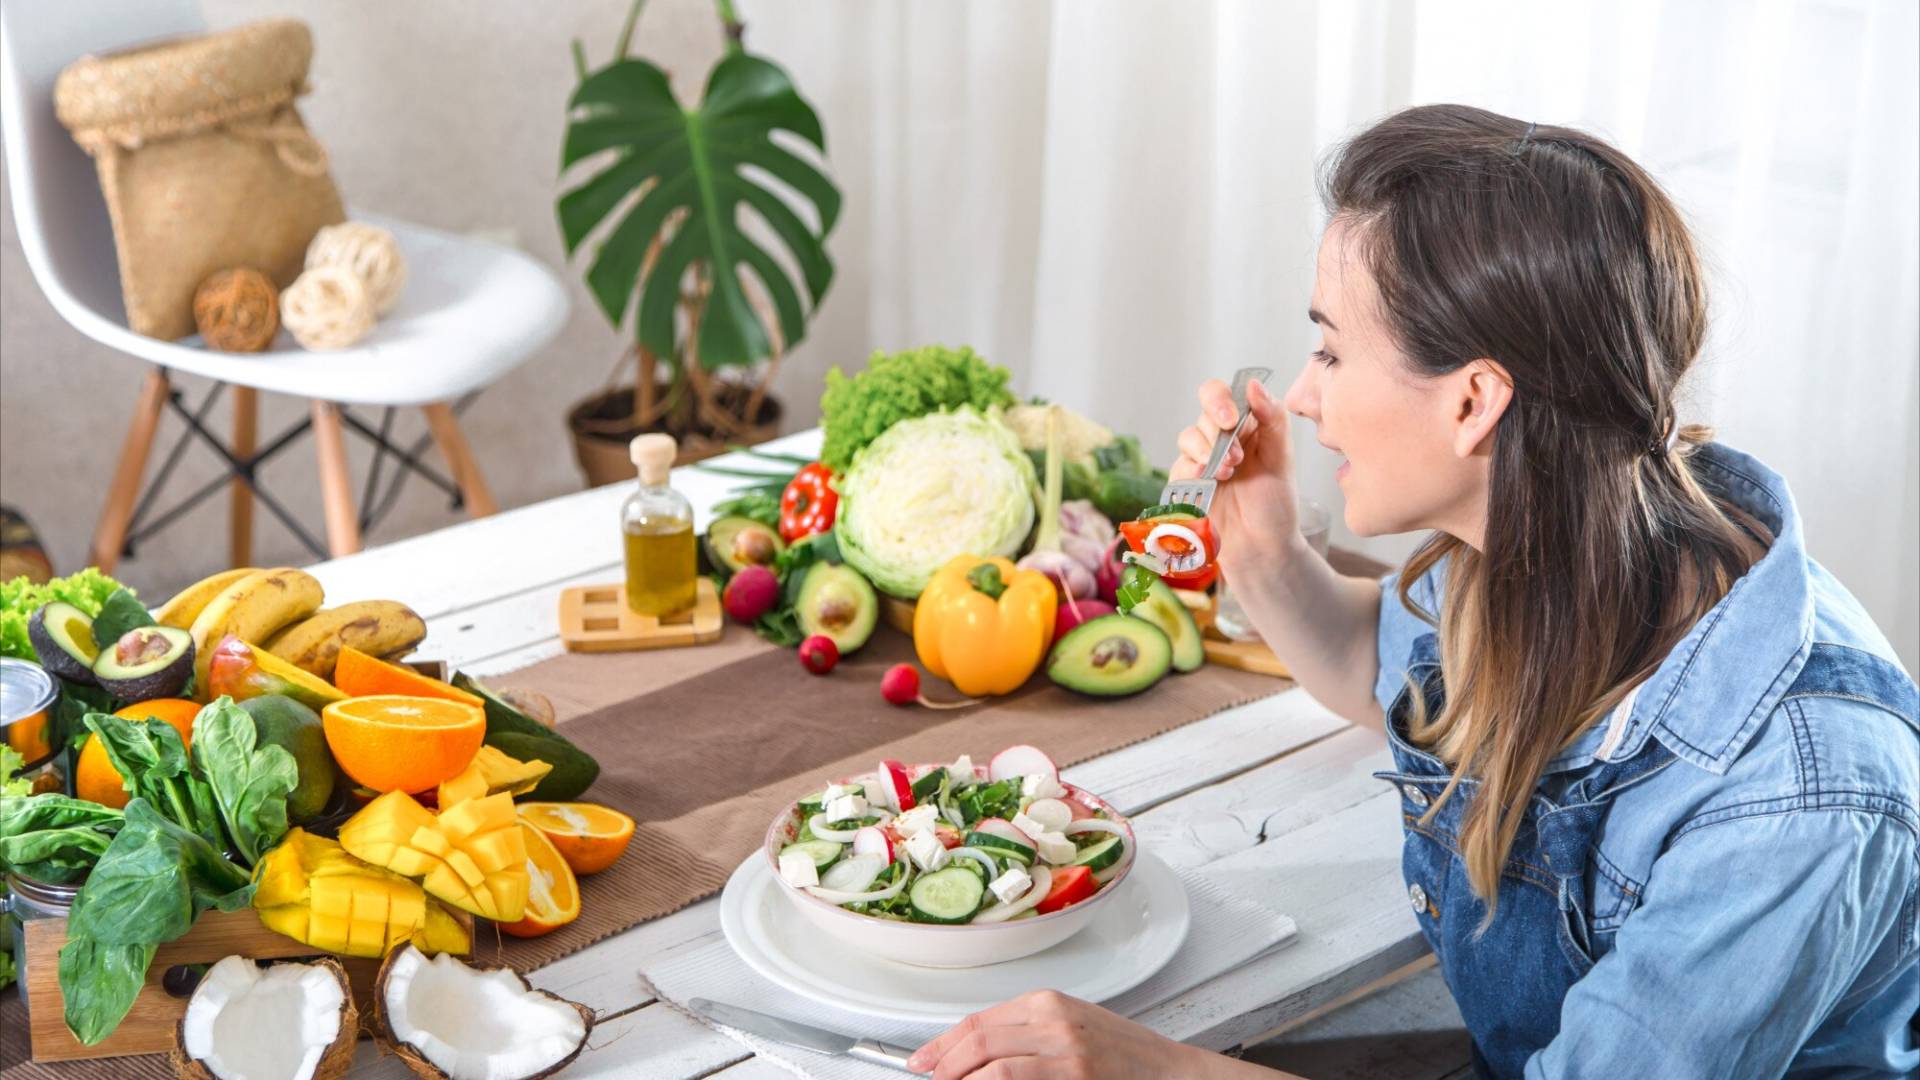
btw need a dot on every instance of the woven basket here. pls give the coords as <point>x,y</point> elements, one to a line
<point>204,161</point>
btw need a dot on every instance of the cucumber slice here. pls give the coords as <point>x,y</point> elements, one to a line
<point>815,803</point>
<point>1101,854</point>
<point>946,896</point>
<point>1001,846</point>
<point>824,853</point>
<point>929,785</point>
<point>1170,510</point>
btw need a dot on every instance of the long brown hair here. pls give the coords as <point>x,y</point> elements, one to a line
<point>1552,254</point>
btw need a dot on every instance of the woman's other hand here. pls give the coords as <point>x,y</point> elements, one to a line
<point>1047,1035</point>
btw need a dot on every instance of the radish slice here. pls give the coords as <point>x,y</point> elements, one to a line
<point>1004,829</point>
<point>1051,813</point>
<point>1021,761</point>
<point>873,840</point>
<point>1042,881</point>
<point>894,782</point>
<point>853,874</point>
<point>817,824</point>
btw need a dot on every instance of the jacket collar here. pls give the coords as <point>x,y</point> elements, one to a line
<point>1715,689</point>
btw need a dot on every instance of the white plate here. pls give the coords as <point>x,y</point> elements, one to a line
<point>1135,934</point>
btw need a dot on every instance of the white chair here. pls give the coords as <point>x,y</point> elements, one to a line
<point>471,311</point>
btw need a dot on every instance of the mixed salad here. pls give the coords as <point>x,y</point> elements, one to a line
<point>954,843</point>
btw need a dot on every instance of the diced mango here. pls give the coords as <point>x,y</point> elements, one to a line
<point>471,855</point>
<point>333,897</point>
<point>429,839</point>
<point>413,862</point>
<point>492,772</point>
<point>477,815</point>
<point>500,849</point>
<point>345,905</point>
<point>463,865</point>
<point>288,919</point>
<point>329,932</point>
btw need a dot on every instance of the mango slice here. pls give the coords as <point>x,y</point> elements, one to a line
<point>471,855</point>
<point>493,772</point>
<point>313,890</point>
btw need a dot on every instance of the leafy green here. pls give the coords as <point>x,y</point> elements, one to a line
<point>754,505</point>
<point>152,763</point>
<point>781,624</point>
<point>68,726</point>
<point>857,410</point>
<point>250,782</point>
<point>6,968</point>
<point>119,613</point>
<point>20,598</point>
<point>54,838</point>
<point>687,176</point>
<point>155,878</point>
<point>11,782</point>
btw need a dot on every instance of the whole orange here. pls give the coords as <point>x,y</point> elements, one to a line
<point>96,780</point>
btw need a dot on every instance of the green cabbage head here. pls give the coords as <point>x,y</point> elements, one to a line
<point>930,488</point>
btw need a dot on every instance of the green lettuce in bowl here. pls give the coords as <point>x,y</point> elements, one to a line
<point>929,488</point>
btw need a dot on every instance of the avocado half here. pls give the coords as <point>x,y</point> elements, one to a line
<point>147,662</point>
<point>836,601</point>
<point>1164,610</point>
<point>62,637</point>
<point>735,543</point>
<point>1111,656</point>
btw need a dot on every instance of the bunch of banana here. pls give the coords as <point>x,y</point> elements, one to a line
<point>279,610</point>
<point>383,628</point>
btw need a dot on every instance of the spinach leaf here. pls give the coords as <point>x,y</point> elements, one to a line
<point>120,613</point>
<point>154,878</point>
<point>54,838</point>
<point>53,811</point>
<point>99,982</point>
<point>152,762</point>
<point>249,781</point>
<point>69,727</point>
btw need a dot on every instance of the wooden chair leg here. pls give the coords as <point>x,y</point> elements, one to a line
<point>246,417</point>
<point>336,492</point>
<point>110,535</point>
<point>466,471</point>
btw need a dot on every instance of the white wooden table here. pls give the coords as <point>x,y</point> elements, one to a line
<point>1275,799</point>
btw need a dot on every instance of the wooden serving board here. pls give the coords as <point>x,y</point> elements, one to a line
<point>595,618</point>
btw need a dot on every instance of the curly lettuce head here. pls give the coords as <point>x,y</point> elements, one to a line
<point>930,488</point>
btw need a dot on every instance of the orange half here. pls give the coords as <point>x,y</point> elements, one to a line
<point>360,675</point>
<point>394,742</point>
<point>589,836</point>
<point>553,895</point>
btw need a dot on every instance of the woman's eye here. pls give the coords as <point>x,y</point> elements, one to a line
<point>1325,357</point>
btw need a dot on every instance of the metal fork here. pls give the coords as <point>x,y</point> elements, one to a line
<point>1199,491</point>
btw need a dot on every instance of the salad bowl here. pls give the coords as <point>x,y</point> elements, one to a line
<point>951,944</point>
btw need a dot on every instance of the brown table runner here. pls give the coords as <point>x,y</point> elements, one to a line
<point>702,746</point>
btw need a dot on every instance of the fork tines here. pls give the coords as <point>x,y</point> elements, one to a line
<point>1197,492</point>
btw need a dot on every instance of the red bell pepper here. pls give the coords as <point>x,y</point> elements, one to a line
<point>808,504</point>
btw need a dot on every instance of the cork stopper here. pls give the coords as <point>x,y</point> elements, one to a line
<point>653,454</point>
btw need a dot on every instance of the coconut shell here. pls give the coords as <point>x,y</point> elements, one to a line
<point>417,1062</point>
<point>335,1063</point>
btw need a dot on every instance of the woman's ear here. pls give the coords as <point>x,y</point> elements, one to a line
<point>1484,389</point>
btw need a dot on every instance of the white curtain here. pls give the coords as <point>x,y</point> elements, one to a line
<point>1116,200</point>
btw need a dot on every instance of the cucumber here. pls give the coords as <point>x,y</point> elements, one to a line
<point>815,803</point>
<point>1100,854</point>
<point>929,785</point>
<point>1001,846</point>
<point>946,896</point>
<point>1170,510</point>
<point>823,852</point>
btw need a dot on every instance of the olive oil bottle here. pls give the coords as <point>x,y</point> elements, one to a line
<point>657,523</point>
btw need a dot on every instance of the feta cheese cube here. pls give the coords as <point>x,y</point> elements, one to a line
<point>797,869</point>
<point>919,819</point>
<point>962,768</point>
<point>1041,786</point>
<point>1025,824</point>
<point>846,808</point>
<point>878,794</point>
<point>836,791</point>
<point>927,852</point>
<point>1011,885</point>
<point>1055,848</point>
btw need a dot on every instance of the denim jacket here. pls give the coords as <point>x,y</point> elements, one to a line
<point>1723,885</point>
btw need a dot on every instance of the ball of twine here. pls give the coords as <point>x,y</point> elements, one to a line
<point>370,252</point>
<point>237,310</point>
<point>327,308</point>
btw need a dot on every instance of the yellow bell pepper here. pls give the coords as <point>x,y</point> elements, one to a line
<point>984,626</point>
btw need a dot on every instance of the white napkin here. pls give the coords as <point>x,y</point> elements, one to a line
<point>1226,931</point>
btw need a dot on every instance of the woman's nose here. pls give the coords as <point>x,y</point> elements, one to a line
<point>1303,397</point>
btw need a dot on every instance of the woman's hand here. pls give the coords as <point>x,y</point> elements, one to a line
<point>1047,1035</point>
<point>1256,515</point>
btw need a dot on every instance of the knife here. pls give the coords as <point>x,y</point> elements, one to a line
<point>805,1036</point>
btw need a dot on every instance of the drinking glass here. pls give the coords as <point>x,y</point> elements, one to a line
<point>1316,525</point>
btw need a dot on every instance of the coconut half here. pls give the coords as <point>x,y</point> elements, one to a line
<point>447,1020</point>
<point>291,1021</point>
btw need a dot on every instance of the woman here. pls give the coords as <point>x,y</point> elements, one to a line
<point>1658,769</point>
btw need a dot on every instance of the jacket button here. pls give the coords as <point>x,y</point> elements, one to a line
<point>1417,896</point>
<point>1414,795</point>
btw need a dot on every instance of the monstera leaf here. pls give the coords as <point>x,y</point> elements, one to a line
<point>712,163</point>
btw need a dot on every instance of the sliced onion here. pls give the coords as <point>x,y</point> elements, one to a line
<point>1114,828</point>
<point>854,874</point>
<point>817,825</point>
<point>954,816</point>
<point>1114,871</point>
<point>979,856</point>
<point>835,896</point>
<point>1193,559</point>
<point>1042,881</point>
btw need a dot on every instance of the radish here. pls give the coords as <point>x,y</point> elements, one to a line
<point>1106,577</point>
<point>751,593</point>
<point>1004,829</point>
<point>818,654</point>
<point>894,783</point>
<point>1021,760</point>
<point>1074,612</point>
<point>900,685</point>
<point>873,840</point>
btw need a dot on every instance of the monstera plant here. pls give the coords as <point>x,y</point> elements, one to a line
<point>688,211</point>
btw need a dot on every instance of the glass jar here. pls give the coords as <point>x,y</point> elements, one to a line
<point>27,900</point>
<point>1229,618</point>
<point>656,523</point>
<point>27,694</point>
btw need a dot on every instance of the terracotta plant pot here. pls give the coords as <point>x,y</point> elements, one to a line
<point>601,427</point>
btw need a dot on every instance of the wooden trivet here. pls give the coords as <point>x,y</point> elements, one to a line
<point>595,618</point>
